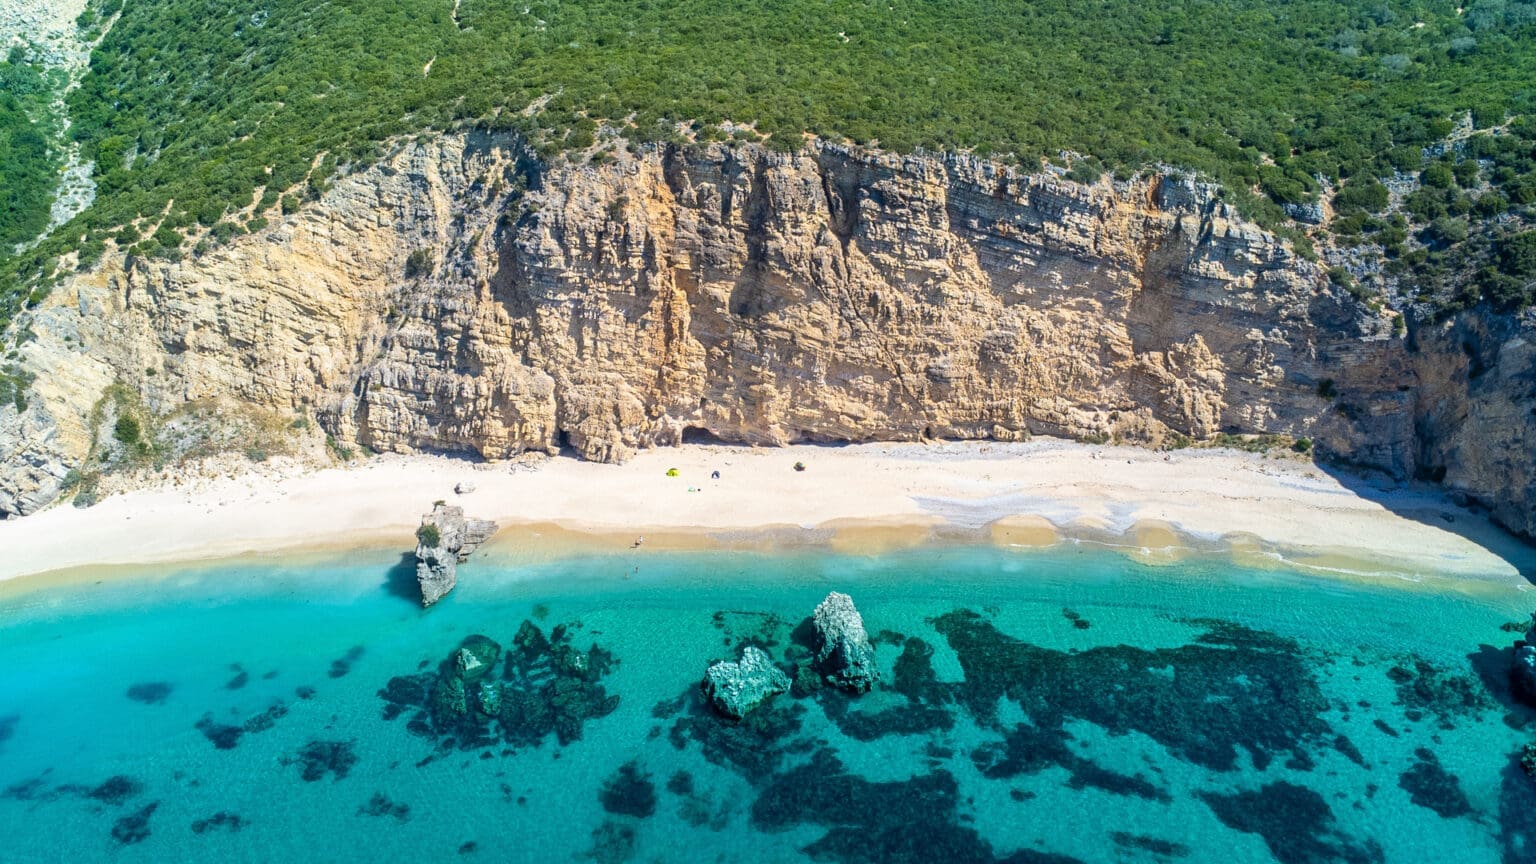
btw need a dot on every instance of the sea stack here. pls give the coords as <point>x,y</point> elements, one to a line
<point>844,656</point>
<point>737,688</point>
<point>443,542</point>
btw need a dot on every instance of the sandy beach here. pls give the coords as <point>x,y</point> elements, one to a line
<point>855,498</point>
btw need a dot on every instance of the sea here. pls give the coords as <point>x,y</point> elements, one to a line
<point>1034,706</point>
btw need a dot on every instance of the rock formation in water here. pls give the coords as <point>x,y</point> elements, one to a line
<point>843,655</point>
<point>444,541</point>
<point>546,686</point>
<point>737,688</point>
<point>835,294</point>
<point>1522,672</point>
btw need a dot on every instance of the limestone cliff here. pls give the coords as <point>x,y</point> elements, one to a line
<point>760,297</point>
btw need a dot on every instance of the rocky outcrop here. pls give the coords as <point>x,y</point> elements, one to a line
<point>1522,672</point>
<point>830,295</point>
<point>444,541</point>
<point>843,654</point>
<point>737,688</point>
<point>1476,410</point>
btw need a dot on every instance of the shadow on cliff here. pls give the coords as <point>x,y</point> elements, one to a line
<point>400,580</point>
<point>1431,505</point>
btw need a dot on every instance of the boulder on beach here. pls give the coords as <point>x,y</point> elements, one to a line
<point>443,542</point>
<point>843,654</point>
<point>737,688</point>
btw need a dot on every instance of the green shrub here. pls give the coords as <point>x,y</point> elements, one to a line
<point>419,264</point>
<point>428,536</point>
<point>127,430</point>
<point>1361,195</point>
<point>1302,445</point>
<point>1437,176</point>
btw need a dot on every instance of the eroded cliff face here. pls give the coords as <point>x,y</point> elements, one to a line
<point>759,297</point>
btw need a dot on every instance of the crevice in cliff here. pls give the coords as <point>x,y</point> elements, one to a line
<point>840,187</point>
<point>750,297</point>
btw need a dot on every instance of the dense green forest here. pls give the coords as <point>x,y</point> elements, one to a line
<point>190,106</point>
<point>27,160</point>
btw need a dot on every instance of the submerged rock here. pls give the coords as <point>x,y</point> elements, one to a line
<point>736,688</point>
<point>445,540</point>
<point>545,685</point>
<point>1522,674</point>
<point>844,655</point>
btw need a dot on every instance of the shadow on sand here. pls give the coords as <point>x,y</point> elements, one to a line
<point>1431,505</point>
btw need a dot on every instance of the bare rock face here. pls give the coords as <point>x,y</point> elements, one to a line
<point>1477,411</point>
<point>830,295</point>
<point>844,654</point>
<point>737,688</point>
<point>445,540</point>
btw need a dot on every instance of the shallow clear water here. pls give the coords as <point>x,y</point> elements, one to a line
<point>1068,703</point>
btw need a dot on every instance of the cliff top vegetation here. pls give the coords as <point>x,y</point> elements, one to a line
<point>205,116</point>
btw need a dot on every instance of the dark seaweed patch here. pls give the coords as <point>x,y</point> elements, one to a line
<point>1381,725</point>
<point>902,719</point>
<point>222,820</point>
<point>1028,750</point>
<point>629,792</point>
<point>912,675</point>
<point>1423,687</point>
<point>8,727</point>
<point>151,692</point>
<point>380,805</point>
<point>1432,787</point>
<point>304,692</point>
<point>1234,688</point>
<point>31,789</point>
<point>1156,845</point>
<point>134,828</point>
<point>1078,621</point>
<point>319,758</point>
<point>914,820</point>
<point>1295,823</point>
<point>754,746</point>
<point>223,736</point>
<point>547,687</point>
<point>1517,816</point>
<point>680,783</point>
<point>240,680</point>
<point>266,719</point>
<point>1350,751</point>
<point>342,665</point>
<point>612,843</point>
<point>469,847</point>
<point>116,790</point>
<point>1030,856</point>
<point>742,628</point>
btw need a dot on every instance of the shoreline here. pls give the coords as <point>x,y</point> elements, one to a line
<point>859,499</point>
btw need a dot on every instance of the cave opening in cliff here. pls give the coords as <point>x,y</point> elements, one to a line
<point>700,435</point>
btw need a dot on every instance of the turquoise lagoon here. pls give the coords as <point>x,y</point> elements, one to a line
<point>1037,706</point>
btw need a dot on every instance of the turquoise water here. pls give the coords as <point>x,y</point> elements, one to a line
<point>1035,707</point>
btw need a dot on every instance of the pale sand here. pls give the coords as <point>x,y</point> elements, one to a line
<point>865,498</point>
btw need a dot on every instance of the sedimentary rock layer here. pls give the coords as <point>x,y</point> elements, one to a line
<point>760,297</point>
